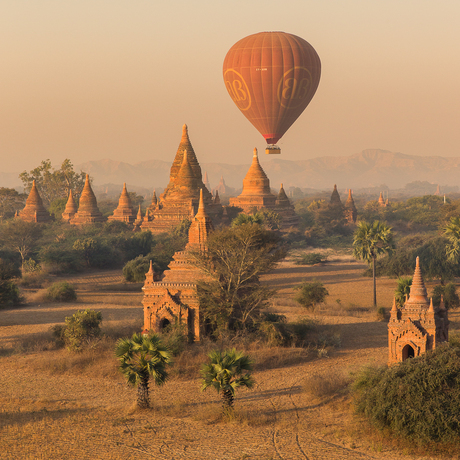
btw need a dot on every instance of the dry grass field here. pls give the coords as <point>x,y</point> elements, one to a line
<point>57,405</point>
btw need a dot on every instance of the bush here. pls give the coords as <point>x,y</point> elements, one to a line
<point>9,270</point>
<point>311,294</point>
<point>449,293</point>
<point>311,258</point>
<point>82,328</point>
<point>135,269</point>
<point>9,294</point>
<point>61,292</point>
<point>175,337</point>
<point>418,399</point>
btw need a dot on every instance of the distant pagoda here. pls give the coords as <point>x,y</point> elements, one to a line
<point>125,211</point>
<point>88,212</point>
<point>34,210</point>
<point>70,208</point>
<point>257,195</point>
<point>351,213</point>
<point>180,199</point>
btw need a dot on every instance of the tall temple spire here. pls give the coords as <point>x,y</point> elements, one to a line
<point>256,181</point>
<point>418,294</point>
<point>88,212</point>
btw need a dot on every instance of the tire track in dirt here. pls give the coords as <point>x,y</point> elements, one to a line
<point>294,443</point>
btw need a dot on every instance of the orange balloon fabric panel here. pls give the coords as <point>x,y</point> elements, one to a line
<point>272,77</point>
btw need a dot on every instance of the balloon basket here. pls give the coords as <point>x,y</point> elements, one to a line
<point>272,150</point>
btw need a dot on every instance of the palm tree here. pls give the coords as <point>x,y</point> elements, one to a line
<point>403,289</point>
<point>370,241</point>
<point>452,232</point>
<point>224,372</point>
<point>142,357</point>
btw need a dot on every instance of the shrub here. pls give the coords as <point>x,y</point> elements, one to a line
<point>175,338</point>
<point>61,292</point>
<point>9,294</point>
<point>82,328</point>
<point>9,270</point>
<point>135,269</point>
<point>418,399</point>
<point>449,293</point>
<point>311,258</point>
<point>30,266</point>
<point>311,294</point>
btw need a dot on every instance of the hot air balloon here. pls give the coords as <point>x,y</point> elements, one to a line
<point>272,77</point>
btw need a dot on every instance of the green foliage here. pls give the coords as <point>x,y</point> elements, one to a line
<point>267,218</point>
<point>9,294</point>
<point>277,332</point>
<point>57,207</point>
<point>371,241</point>
<point>175,338</point>
<point>452,233</point>
<point>8,269</point>
<point>418,399</point>
<point>21,237</point>
<point>403,289</point>
<point>225,372</point>
<point>61,291</point>
<point>232,296</point>
<point>135,270</point>
<point>82,328</point>
<point>312,258</point>
<point>30,266</point>
<point>10,201</point>
<point>449,295</point>
<point>140,357</point>
<point>311,294</point>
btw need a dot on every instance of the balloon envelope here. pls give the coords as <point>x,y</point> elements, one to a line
<point>272,77</point>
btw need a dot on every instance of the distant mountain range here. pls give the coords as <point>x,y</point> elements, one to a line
<point>370,168</point>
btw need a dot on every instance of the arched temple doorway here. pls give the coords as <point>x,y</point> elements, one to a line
<point>164,323</point>
<point>407,352</point>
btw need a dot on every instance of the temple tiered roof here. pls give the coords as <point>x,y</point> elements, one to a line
<point>34,210</point>
<point>88,212</point>
<point>125,211</point>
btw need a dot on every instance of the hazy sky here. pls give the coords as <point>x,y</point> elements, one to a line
<point>94,79</point>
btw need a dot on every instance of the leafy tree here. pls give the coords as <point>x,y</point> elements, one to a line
<point>10,201</point>
<point>369,242</point>
<point>54,183</point>
<point>403,289</point>
<point>226,371</point>
<point>271,220</point>
<point>20,236</point>
<point>82,328</point>
<point>311,294</point>
<point>452,233</point>
<point>449,294</point>
<point>232,295</point>
<point>142,357</point>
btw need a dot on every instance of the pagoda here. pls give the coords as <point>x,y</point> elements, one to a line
<point>257,195</point>
<point>125,211</point>
<point>88,212</point>
<point>418,326</point>
<point>34,210</point>
<point>180,199</point>
<point>351,213</point>
<point>335,197</point>
<point>256,192</point>
<point>70,208</point>
<point>173,299</point>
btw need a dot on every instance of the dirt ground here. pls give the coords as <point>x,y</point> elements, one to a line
<point>65,415</point>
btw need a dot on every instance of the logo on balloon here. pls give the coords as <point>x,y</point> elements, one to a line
<point>294,87</point>
<point>238,89</point>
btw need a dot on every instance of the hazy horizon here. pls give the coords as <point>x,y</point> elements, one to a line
<point>112,79</point>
